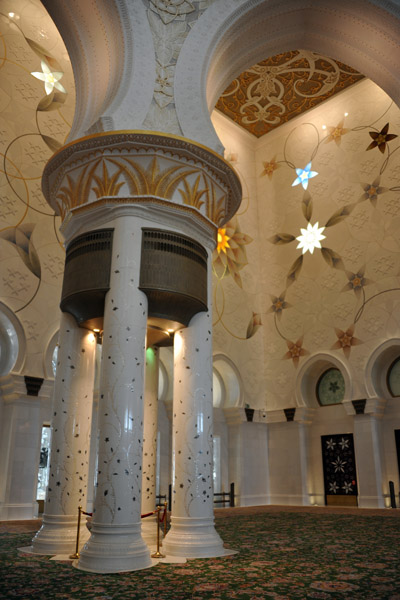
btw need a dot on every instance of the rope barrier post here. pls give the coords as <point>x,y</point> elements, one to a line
<point>76,555</point>
<point>157,553</point>
<point>165,518</point>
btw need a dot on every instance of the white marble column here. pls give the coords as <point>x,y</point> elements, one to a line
<point>369,455</point>
<point>69,454</point>
<point>20,431</point>
<point>192,532</point>
<point>116,543</point>
<point>149,531</point>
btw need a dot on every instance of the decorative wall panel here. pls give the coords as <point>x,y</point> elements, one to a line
<point>340,476</point>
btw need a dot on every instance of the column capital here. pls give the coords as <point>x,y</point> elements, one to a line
<point>124,166</point>
<point>237,414</point>
<point>374,407</point>
<point>13,388</point>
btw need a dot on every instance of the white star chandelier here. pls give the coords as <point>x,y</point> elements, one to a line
<point>310,238</point>
<point>50,78</point>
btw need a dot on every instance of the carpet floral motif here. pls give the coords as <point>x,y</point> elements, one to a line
<point>284,556</point>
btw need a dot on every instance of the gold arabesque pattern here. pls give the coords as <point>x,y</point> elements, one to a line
<point>281,87</point>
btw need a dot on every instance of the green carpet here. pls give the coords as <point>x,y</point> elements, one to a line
<point>281,556</point>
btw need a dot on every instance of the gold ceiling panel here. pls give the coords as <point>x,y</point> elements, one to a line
<point>282,87</point>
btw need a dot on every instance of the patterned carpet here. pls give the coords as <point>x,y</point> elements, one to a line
<point>282,555</point>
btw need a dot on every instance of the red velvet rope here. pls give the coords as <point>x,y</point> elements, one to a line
<point>148,514</point>
<point>142,516</point>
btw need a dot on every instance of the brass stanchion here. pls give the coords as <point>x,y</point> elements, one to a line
<point>76,555</point>
<point>165,518</point>
<point>157,553</point>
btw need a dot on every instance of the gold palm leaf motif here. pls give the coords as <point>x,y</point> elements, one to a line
<point>215,209</point>
<point>150,180</point>
<point>192,195</point>
<point>107,186</point>
<point>75,193</point>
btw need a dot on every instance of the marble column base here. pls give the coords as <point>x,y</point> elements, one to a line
<point>114,548</point>
<point>58,535</point>
<point>193,538</point>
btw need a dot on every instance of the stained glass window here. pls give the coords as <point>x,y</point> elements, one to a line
<point>393,378</point>
<point>330,387</point>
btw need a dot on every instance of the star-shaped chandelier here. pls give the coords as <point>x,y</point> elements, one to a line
<point>303,175</point>
<point>50,78</point>
<point>310,238</point>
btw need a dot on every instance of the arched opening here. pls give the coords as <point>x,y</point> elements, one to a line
<point>317,375</point>
<point>230,38</point>
<point>12,342</point>
<point>229,377</point>
<point>379,367</point>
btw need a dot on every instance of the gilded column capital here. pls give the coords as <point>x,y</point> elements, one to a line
<point>135,165</point>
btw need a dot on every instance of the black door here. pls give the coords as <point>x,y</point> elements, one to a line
<point>339,462</point>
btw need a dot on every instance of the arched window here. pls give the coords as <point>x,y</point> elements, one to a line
<point>393,377</point>
<point>330,387</point>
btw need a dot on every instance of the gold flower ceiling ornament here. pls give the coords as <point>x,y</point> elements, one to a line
<point>270,167</point>
<point>222,240</point>
<point>372,191</point>
<point>356,282</point>
<point>346,340</point>
<point>278,305</point>
<point>230,254</point>
<point>381,138</point>
<point>295,351</point>
<point>335,133</point>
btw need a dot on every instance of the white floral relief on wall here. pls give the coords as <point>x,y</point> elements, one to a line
<point>170,23</point>
<point>38,101</point>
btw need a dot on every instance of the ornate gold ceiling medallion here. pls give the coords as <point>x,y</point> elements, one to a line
<point>281,87</point>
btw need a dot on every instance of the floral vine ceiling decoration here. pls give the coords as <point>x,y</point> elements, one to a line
<point>260,99</point>
<point>281,87</point>
<point>311,236</point>
<point>36,112</point>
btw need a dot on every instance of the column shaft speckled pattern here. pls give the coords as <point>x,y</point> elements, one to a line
<point>150,431</point>
<point>149,526</point>
<point>71,426</point>
<point>192,532</point>
<point>116,543</point>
